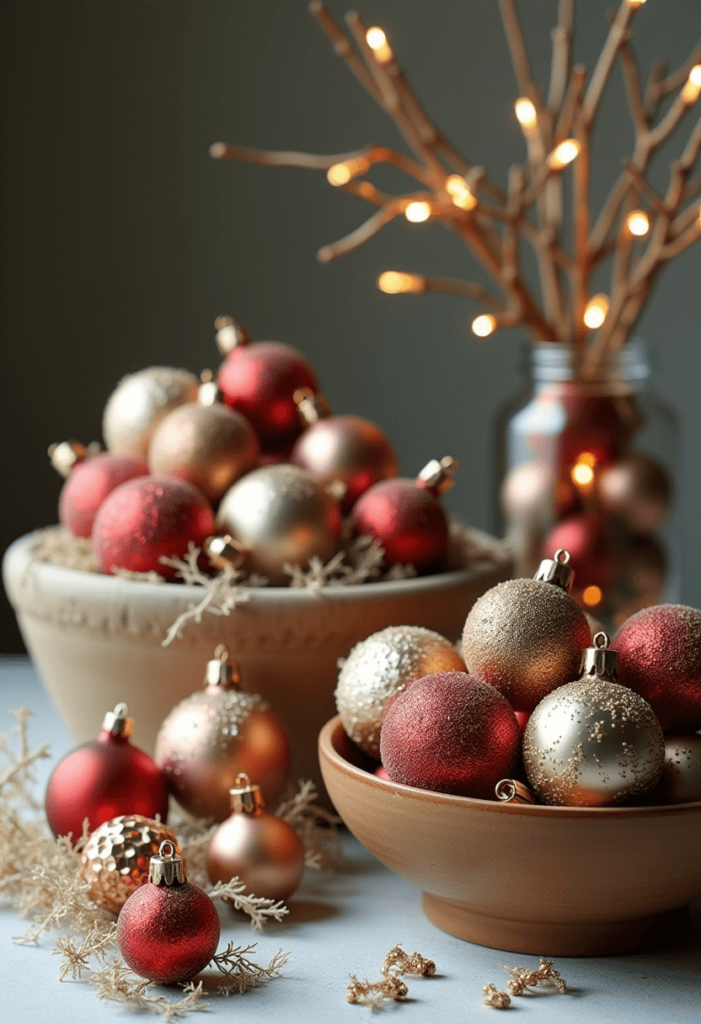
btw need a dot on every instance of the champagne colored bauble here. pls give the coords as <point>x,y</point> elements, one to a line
<point>137,404</point>
<point>660,649</point>
<point>255,846</point>
<point>168,930</point>
<point>149,518</point>
<point>90,482</point>
<point>212,736</point>
<point>281,515</point>
<point>210,446</point>
<point>115,859</point>
<point>525,637</point>
<point>593,743</point>
<point>637,490</point>
<point>681,772</point>
<point>379,668</point>
<point>451,733</point>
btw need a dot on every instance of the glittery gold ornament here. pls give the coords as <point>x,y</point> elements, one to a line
<point>139,402</point>
<point>593,743</point>
<point>526,637</point>
<point>215,734</point>
<point>116,857</point>
<point>681,772</point>
<point>281,514</point>
<point>382,666</point>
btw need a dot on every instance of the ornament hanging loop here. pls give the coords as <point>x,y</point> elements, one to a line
<point>230,334</point>
<point>438,476</point>
<point>117,722</point>
<point>246,795</point>
<point>168,867</point>
<point>209,392</point>
<point>312,407</point>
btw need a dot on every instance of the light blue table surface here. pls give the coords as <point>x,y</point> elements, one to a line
<point>346,921</point>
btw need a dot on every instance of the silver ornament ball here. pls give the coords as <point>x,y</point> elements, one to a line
<point>139,402</point>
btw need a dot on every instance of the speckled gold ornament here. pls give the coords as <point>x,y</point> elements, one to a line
<point>139,402</point>
<point>214,735</point>
<point>382,666</point>
<point>681,772</point>
<point>116,857</point>
<point>593,743</point>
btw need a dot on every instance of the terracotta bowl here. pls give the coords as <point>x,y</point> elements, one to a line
<point>558,881</point>
<point>97,640</point>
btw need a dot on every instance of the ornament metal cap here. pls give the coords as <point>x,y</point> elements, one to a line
<point>209,392</point>
<point>117,722</point>
<point>222,672</point>
<point>246,795</point>
<point>557,570</point>
<point>511,791</point>
<point>230,334</point>
<point>167,867</point>
<point>598,662</point>
<point>65,455</point>
<point>312,407</point>
<point>439,476</point>
<point>224,552</point>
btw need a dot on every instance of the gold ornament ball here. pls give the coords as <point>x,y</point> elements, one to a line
<point>637,490</point>
<point>260,849</point>
<point>382,666</point>
<point>116,857</point>
<point>281,514</point>
<point>681,772</point>
<point>210,446</point>
<point>526,637</point>
<point>139,402</point>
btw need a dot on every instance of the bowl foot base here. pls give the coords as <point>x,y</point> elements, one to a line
<point>546,938</point>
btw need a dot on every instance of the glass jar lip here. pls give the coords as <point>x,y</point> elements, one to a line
<point>553,362</point>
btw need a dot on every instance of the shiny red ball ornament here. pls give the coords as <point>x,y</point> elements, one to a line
<point>168,930</point>
<point>407,516</point>
<point>595,553</point>
<point>90,482</point>
<point>452,733</point>
<point>147,518</point>
<point>660,649</point>
<point>104,778</point>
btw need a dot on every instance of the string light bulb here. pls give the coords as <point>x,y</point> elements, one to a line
<point>484,325</point>
<point>341,173</point>
<point>692,87</point>
<point>636,3</point>
<point>564,154</point>
<point>591,596</point>
<point>393,282</point>
<point>596,310</point>
<point>377,41</point>
<point>418,212</point>
<point>638,223</point>
<point>459,191</point>
<point>525,113</point>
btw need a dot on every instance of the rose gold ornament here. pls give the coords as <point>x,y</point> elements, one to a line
<point>637,490</point>
<point>115,860</point>
<point>255,846</point>
<point>681,771</point>
<point>216,733</point>
<point>379,668</point>
<point>139,402</point>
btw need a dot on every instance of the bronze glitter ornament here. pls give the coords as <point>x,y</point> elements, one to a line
<point>681,772</point>
<point>139,402</point>
<point>215,734</point>
<point>116,857</point>
<point>593,743</point>
<point>382,666</point>
<point>281,515</point>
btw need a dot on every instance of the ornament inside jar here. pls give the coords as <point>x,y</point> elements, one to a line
<point>527,637</point>
<point>347,448</point>
<point>263,851</point>
<point>104,778</point>
<point>259,380</point>
<point>168,930</point>
<point>137,404</point>
<point>593,742</point>
<point>212,736</point>
<point>407,516</point>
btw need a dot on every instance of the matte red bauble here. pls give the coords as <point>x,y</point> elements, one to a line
<point>168,930</point>
<point>149,518</point>
<point>90,482</point>
<point>452,733</point>
<point>104,778</point>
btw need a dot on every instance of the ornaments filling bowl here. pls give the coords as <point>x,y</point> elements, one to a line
<point>551,881</point>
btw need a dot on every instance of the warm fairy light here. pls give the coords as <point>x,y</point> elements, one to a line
<point>596,310</point>
<point>339,174</point>
<point>636,3</point>
<point>377,41</point>
<point>695,75</point>
<point>582,474</point>
<point>692,87</point>
<point>638,223</point>
<point>592,595</point>
<point>563,154</point>
<point>393,282</point>
<point>417,212</point>
<point>526,113</point>
<point>484,325</point>
<point>587,459</point>
<point>459,191</point>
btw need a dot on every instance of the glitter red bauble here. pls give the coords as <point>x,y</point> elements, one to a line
<point>407,519</point>
<point>660,658</point>
<point>452,733</point>
<point>259,380</point>
<point>147,518</point>
<point>102,779</point>
<point>168,933</point>
<point>595,554</point>
<point>89,483</point>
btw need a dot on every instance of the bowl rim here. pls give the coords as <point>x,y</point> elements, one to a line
<point>328,751</point>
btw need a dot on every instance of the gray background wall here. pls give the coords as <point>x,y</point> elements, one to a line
<point>121,239</point>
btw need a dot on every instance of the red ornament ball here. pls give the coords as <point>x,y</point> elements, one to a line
<point>452,733</point>
<point>595,554</point>
<point>407,519</point>
<point>89,483</point>
<point>660,658</point>
<point>147,518</point>
<point>259,381</point>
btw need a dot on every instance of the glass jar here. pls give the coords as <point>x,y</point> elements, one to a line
<point>589,465</point>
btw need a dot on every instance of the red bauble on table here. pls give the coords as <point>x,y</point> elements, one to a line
<point>104,778</point>
<point>149,518</point>
<point>90,482</point>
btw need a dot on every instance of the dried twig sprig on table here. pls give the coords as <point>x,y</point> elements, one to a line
<point>522,979</point>
<point>493,997</point>
<point>76,958</point>
<point>241,973</point>
<point>398,962</point>
<point>375,994</point>
<point>117,983</point>
<point>316,827</point>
